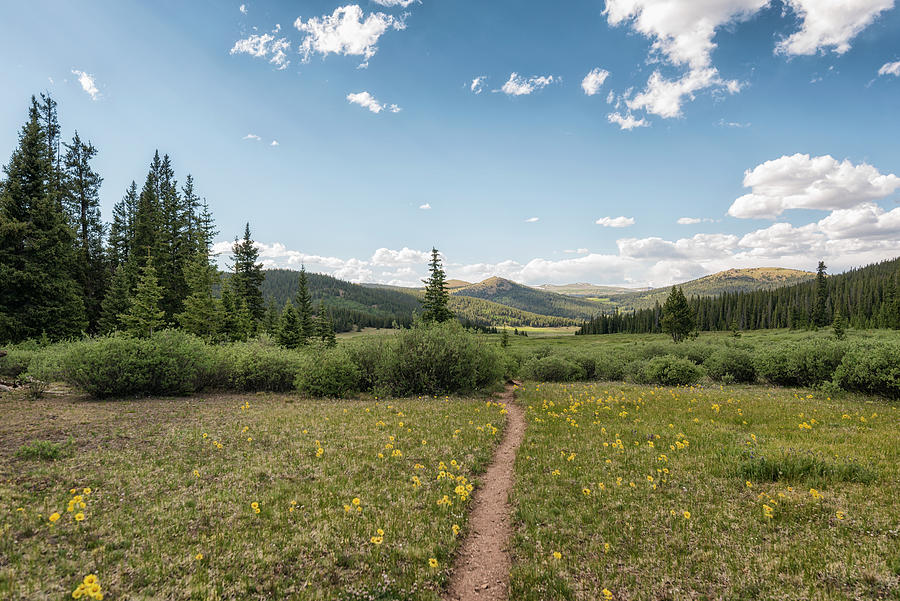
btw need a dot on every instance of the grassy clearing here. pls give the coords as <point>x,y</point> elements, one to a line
<point>735,493</point>
<point>172,485</point>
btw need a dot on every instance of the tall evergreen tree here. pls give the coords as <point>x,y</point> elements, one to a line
<point>117,300</point>
<point>238,323</point>
<point>304,308</point>
<point>325,326</point>
<point>248,275</point>
<point>121,230</point>
<point>206,229</point>
<point>147,218</point>
<point>175,250</point>
<point>290,334</point>
<point>678,319</point>
<point>203,313</point>
<point>81,198</point>
<point>820,316</point>
<point>839,326</point>
<point>38,289</point>
<point>50,123</point>
<point>434,305</point>
<point>144,315</point>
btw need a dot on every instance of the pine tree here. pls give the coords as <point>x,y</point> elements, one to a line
<point>147,219</point>
<point>820,317</point>
<point>121,231</point>
<point>248,275</point>
<point>678,319</point>
<point>289,333</point>
<point>145,316</point>
<point>434,305</point>
<point>81,198</point>
<point>324,326</point>
<point>304,308</point>
<point>118,298</point>
<point>237,323</point>
<point>504,338</point>
<point>203,313</point>
<point>38,289</point>
<point>50,124</point>
<point>839,326</point>
<point>206,229</point>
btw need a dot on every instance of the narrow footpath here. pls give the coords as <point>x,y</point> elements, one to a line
<point>481,569</point>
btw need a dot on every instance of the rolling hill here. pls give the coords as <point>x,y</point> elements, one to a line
<point>731,280</point>
<point>526,298</point>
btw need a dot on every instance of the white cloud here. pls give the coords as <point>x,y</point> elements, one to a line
<point>477,85</point>
<point>615,221</point>
<point>404,256</point>
<point>88,84</point>
<point>693,220</point>
<point>594,80</point>
<point>664,97</point>
<point>345,32</point>
<point>251,137</point>
<point>392,3</point>
<point>577,251</point>
<point>830,24</point>
<point>264,45</point>
<point>274,143</point>
<point>682,30</point>
<point>803,182</point>
<point>425,207</point>
<point>532,220</point>
<point>890,69</point>
<point>521,86</point>
<point>626,122</point>
<point>867,221</point>
<point>243,8</point>
<point>738,124</point>
<point>366,100</point>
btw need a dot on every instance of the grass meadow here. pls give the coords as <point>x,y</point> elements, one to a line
<point>630,492</point>
<point>237,497</point>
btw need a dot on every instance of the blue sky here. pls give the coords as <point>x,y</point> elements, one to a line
<point>773,125</point>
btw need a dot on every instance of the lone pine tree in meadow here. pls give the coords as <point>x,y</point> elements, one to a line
<point>248,275</point>
<point>820,316</point>
<point>434,305</point>
<point>678,319</point>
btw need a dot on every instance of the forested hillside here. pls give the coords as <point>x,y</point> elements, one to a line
<point>868,297</point>
<point>512,294</point>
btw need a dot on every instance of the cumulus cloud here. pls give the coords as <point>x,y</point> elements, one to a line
<point>393,3</point>
<point>627,121</point>
<point>693,220</point>
<point>88,84</point>
<point>264,45</point>
<point>404,256</point>
<point>477,85</point>
<point>867,221</point>
<point>425,207</point>
<point>532,220</point>
<point>347,31</point>
<point>593,81</point>
<point>251,137</point>
<point>890,69</point>
<point>615,221</point>
<point>664,97</point>
<point>517,85</point>
<point>366,100</point>
<point>274,143</point>
<point>830,24</point>
<point>243,8</point>
<point>803,182</point>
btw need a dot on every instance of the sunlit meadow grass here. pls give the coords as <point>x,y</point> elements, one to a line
<point>238,497</point>
<point>629,492</point>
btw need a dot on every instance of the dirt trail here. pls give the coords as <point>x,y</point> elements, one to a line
<point>481,569</point>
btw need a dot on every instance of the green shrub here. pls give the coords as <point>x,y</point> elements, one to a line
<point>329,373</point>
<point>169,363</point>
<point>587,362</point>
<point>810,362</point>
<point>42,449</point>
<point>257,365</point>
<point>696,352</point>
<point>871,369</point>
<point>553,368</point>
<point>15,362</point>
<point>803,466</point>
<point>609,367</point>
<point>731,365</point>
<point>440,358</point>
<point>668,370</point>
